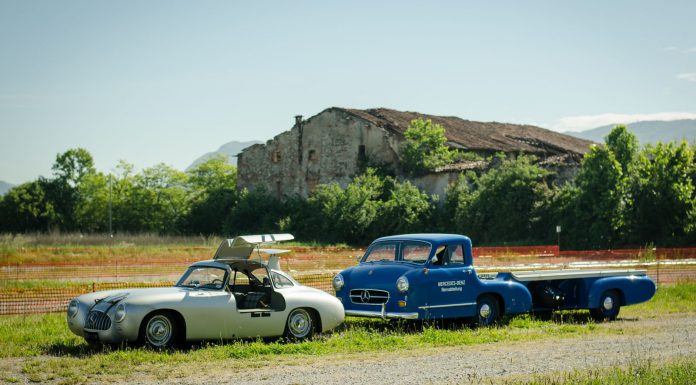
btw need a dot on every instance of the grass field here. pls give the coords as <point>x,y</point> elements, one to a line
<point>682,372</point>
<point>49,351</point>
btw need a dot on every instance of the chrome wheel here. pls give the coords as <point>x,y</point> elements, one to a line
<point>299,324</point>
<point>484,311</point>
<point>159,331</point>
<point>608,303</point>
<point>609,306</point>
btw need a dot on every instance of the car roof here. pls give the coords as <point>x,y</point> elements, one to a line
<point>434,238</point>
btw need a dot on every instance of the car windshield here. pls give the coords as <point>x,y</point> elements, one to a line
<point>203,278</point>
<point>409,251</point>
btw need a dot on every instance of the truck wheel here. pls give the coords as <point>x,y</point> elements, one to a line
<point>486,310</point>
<point>159,330</point>
<point>609,307</point>
<point>300,325</point>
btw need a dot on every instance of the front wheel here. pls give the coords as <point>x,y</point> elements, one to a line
<point>300,325</point>
<point>609,307</point>
<point>159,330</point>
<point>487,310</point>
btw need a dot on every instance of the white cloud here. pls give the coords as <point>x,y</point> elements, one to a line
<point>584,122</point>
<point>671,48</point>
<point>690,76</point>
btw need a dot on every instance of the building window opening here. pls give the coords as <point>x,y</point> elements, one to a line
<point>312,155</point>
<point>275,157</point>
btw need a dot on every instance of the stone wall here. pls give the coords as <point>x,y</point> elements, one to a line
<point>327,148</point>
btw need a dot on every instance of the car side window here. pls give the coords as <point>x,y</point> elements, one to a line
<point>280,281</point>
<point>456,254</point>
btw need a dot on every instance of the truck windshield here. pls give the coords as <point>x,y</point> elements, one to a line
<point>411,251</point>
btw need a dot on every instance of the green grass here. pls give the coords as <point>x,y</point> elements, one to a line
<point>71,360</point>
<point>682,372</point>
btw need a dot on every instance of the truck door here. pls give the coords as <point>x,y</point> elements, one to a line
<point>449,280</point>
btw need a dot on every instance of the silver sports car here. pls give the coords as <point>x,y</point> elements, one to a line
<point>234,295</point>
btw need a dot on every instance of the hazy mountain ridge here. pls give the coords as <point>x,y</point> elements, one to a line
<point>647,132</point>
<point>5,187</point>
<point>230,149</point>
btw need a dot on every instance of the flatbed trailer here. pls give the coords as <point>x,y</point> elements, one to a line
<point>431,276</point>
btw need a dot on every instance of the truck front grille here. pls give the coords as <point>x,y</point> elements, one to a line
<point>97,320</point>
<point>369,296</point>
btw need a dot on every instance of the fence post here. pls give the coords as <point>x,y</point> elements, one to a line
<point>93,290</point>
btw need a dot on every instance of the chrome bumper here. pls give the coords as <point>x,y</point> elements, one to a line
<point>381,314</point>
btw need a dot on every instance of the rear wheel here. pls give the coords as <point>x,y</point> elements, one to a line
<point>487,310</point>
<point>160,330</point>
<point>300,325</point>
<point>609,306</point>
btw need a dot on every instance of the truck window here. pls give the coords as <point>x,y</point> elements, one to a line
<point>381,252</point>
<point>456,254</point>
<point>415,251</point>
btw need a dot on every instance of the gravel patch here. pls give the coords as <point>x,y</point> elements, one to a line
<point>662,339</point>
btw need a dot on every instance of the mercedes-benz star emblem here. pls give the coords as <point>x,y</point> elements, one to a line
<point>365,296</point>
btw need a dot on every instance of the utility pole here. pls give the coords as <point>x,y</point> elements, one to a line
<point>111,234</point>
<point>558,238</point>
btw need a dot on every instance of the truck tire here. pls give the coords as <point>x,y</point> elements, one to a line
<point>609,307</point>
<point>487,310</point>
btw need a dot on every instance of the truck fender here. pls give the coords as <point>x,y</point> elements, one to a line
<point>515,297</point>
<point>631,290</point>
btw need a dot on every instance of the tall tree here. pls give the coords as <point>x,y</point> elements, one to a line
<point>213,194</point>
<point>663,195</point>
<point>425,148</point>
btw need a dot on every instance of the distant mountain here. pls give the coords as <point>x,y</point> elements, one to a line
<point>647,132</point>
<point>231,149</point>
<point>5,187</point>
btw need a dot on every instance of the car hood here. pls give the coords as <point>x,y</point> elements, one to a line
<point>377,274</point>
<point>138,296</point>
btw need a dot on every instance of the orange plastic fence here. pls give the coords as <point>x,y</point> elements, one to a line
<point>545,250</point>
<point>52,299</point>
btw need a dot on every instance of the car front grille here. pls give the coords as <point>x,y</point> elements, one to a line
<point>369,296</point>
<point>97,320</point>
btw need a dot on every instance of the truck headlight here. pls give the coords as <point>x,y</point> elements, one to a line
<point>120,312</point>
<point>338,282</point>
<point>402,284</point>
<point>72,308</point>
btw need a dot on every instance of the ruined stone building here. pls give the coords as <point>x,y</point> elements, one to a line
<point>336,144</point>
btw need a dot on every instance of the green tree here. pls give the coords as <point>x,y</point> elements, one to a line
<point>593,215</point>
<point>213,194</point>
<point>425,148</point>
<point>624,145</point>
<point>502,204</point>
<point>663,195</point>
<point>256,211</point>
<point>27,208</point>
<point>92,209</point>
<point>406,210</point>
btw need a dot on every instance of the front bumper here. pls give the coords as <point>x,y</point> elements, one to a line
<point>382,314</point>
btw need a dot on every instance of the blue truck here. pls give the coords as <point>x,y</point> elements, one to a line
<point>432,276</point>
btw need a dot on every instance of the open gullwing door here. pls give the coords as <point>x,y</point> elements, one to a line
<point>243,246</point>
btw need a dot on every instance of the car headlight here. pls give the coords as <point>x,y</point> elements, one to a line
<point>337,282</point>
<point>120,312</point>
<point>72,308</point>
<point>402,284</point>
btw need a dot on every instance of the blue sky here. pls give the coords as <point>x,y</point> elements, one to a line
<point>166,81</point>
